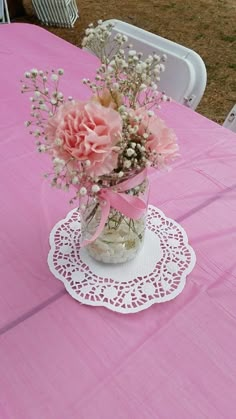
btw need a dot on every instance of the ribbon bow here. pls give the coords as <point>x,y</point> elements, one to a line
<point>129,205</point>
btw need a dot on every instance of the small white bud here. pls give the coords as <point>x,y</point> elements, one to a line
<point>75,180</point>
<point>54,77</point>
<point>43,107</point>
<point>83,191</point>
<point>130,152</point>
<point>58,142</point>
<point>143,86</point>
<point>95,188</point>
<point>127,164</point>
<point>42,148</point>
<point>34,72</point>
<point>132,53</point>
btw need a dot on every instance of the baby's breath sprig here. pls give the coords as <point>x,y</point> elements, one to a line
<point>123,70</point>
<point>45,99</point>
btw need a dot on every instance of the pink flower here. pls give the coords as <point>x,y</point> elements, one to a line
<point>160,139</point>
<point>86,131</point>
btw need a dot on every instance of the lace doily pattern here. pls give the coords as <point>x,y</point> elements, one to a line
<point>156,275</point>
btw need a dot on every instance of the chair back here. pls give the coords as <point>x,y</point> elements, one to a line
<point>61,13</point>
<point>184,78</point>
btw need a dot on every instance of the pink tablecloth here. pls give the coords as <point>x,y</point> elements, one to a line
<point>63,360</point>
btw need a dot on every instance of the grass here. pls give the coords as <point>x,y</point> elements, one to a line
<point>206,26</point>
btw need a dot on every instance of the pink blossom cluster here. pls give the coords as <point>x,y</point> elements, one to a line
<point>112,134</point>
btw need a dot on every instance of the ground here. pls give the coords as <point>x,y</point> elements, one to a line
<point>206,26</point>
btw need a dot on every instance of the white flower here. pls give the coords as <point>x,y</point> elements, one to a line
<point>87,163</point>
<point>143,86</point>
<point>83,191</point>
<point>122,108</point>
<point>156,57</point>
<point>34,72</point>
<point>43,107</point>
<point>149,60</point>
<point>130,152</point>
<point>57,161</point>
<point>75,180</point>
<point>162,67</point>
<point>154,86</point>
<point>127,163</point>
<point>58,142</point>
<point>54,77</point>
<point>37,133</point>
<point>139,68</point>
<point>95,188</point>
<point>42,148</point>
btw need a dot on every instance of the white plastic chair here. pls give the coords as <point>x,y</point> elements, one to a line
<point>4,13</point>
<point>230,121</point>
<point>184,78</point>
<point>61,13</point>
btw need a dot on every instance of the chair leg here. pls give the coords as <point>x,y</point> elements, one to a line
<point>5,11</point>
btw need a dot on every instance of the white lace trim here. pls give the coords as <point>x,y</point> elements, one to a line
<point>157,274</point>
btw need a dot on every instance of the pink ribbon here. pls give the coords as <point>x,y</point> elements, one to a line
<point>129,205</point>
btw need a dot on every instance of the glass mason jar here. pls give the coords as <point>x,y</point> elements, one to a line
<point>121,237</point>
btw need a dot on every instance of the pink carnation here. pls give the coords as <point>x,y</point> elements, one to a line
<point>161,139</point>
<point>86,131</point>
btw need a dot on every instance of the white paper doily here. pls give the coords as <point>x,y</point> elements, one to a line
<point>157,274</point>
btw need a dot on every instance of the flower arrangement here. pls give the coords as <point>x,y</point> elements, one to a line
<point>100,144</point>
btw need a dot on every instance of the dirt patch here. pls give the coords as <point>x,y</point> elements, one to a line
<point>206,26</point>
